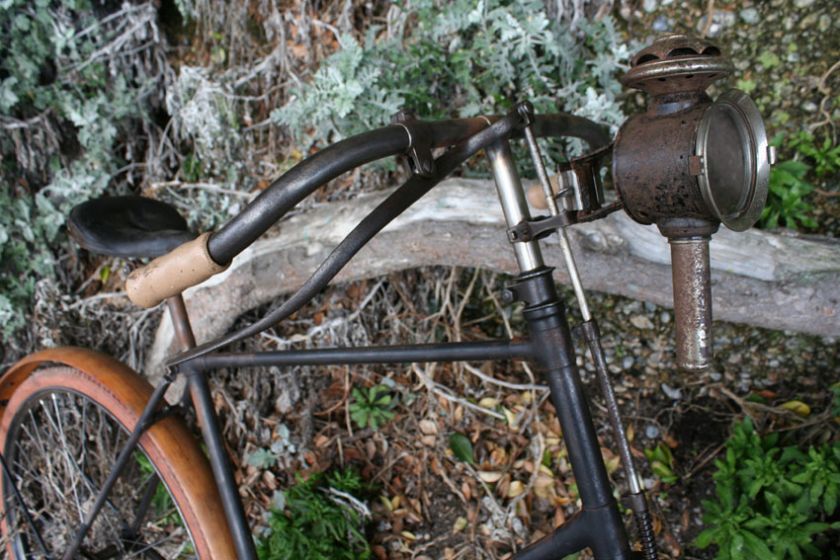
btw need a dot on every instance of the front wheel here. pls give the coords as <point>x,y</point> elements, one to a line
<point>61,433</point>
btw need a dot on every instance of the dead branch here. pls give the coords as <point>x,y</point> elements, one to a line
<point>765,279</point>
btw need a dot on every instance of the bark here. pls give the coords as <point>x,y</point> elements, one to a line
<point>764,279</point>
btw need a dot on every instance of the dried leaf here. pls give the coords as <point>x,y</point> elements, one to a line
<point>428,427</point>
<point>490,477</point>
<point>488,402</point>
<point>516,488</point>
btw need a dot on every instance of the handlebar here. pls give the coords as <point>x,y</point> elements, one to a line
<point>172,273</point>
<point>329,163</point>
<point>326,165</point>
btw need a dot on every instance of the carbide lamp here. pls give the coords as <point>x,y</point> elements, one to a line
<point>688,164</point>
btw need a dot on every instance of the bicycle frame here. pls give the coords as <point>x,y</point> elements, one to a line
<point>598,525</point>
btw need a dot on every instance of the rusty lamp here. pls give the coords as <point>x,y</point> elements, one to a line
<point>689,164</point>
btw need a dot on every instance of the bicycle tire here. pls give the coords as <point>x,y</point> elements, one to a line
<point>105,405</point>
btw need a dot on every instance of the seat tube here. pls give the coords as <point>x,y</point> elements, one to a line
<point>600,526</point>
<point>208,422</point>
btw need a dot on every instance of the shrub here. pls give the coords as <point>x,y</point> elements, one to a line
<point>318,519</point>
<point>460,58</point>
<point>74,96</point>
<point>772,501</point>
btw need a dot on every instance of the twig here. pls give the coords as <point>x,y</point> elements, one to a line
<point>515,386</point>
<point>823,88</point>
<point>710,12</point>
<point>443,391</point>
<point>212,187</point>
<point>11,123</point>
<point>97,297</point>
<point>747,405</point>
<point>827,194</point>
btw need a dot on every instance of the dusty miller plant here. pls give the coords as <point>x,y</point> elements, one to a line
<point>460,58</point>
<point>75,87</point>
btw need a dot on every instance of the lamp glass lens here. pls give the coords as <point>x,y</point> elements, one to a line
<point>728,160</point>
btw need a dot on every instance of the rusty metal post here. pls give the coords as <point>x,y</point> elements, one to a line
<point>692,302</point>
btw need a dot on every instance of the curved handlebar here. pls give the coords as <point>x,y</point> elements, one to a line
<point>326,165</point>
<point>154,282</point>
<point>329,163</point>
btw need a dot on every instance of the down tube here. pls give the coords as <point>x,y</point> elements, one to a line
<point>598,525</point>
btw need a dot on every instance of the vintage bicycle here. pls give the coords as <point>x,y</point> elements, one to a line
<point>87,445</point>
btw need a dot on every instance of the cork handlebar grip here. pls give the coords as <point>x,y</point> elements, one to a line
<point>170,274</point>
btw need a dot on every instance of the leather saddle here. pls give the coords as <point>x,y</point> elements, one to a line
<point>128,226</point>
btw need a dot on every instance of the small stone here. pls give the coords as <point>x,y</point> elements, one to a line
<point>665,317</point>
<point>809,107</point>
<point>809,21</point>
<point>671,392</point>
<point>661,24</point>
<point>749,15</point>
<point>651,431</point>
<point>641,322</point>
<point>825,23</point>
<point>715,376</point>
<point>721,19</point>
<point>649,5</point>
<point>803,3</point>
<point>625,12</point>
<point>627,362</point>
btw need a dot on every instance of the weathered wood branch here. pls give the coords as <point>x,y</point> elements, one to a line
<point>759,278</point>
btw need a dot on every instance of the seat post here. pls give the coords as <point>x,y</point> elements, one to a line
<point>181,322</point>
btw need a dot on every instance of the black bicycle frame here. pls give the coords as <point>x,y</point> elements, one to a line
<point>598,524</point>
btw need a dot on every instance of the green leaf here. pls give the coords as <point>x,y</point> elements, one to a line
<point>461,447</point>
<point>756,546</point>
<point>769,59</point>
<point>707,537</point>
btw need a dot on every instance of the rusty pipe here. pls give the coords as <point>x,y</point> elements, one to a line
<point>692,301</point>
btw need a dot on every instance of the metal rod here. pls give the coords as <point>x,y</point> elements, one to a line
<point>147,418</point>
<point>180,321</point>
<point>565,244</point>
<point>692,302</point>
<point>449,352</point>
<point>146,501</point>
<point>202,401</point>
<point>401,199</point>
<point>593,338</point>
<point>220,464</point>
<point>555,355</point>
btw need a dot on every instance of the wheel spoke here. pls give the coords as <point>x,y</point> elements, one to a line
<point>61,448</point>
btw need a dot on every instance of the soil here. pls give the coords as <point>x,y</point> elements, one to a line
<point>429,504</point>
